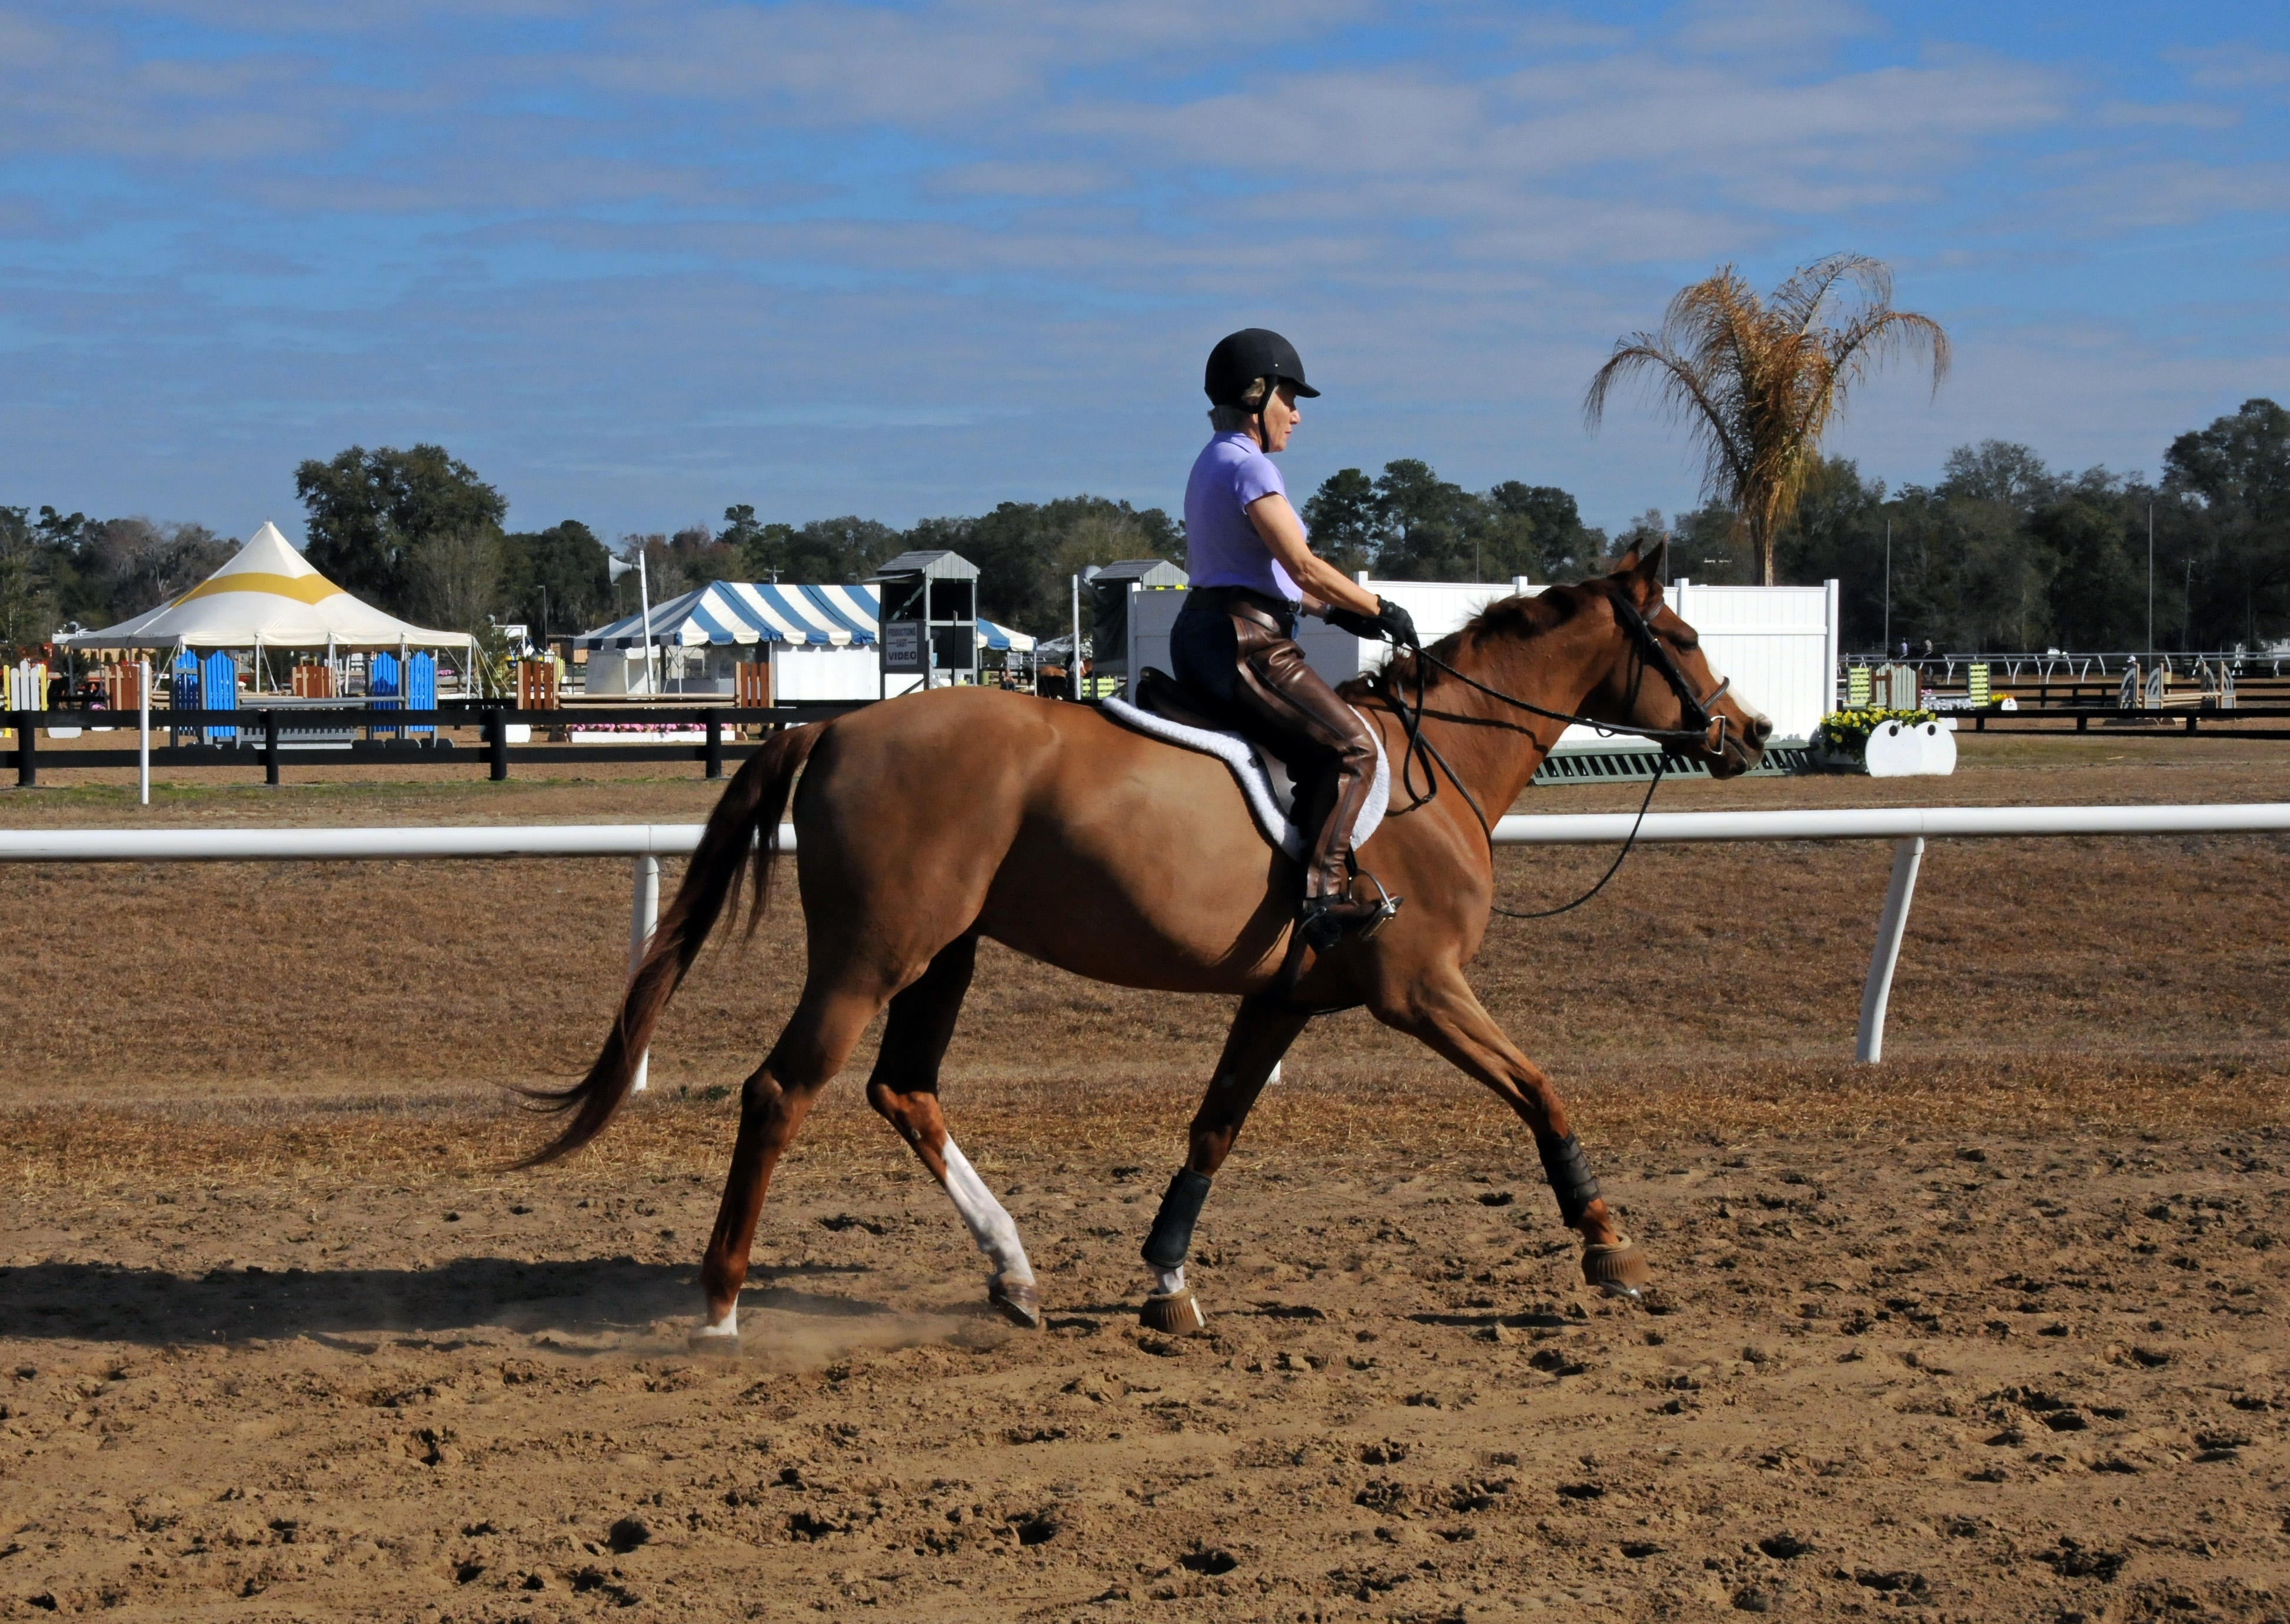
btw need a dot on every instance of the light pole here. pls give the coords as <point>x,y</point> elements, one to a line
<point>2150,579</point>
<point>1888,588</point>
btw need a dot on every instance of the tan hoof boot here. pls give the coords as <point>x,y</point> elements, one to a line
<point>1618,1268</point>
<point>1021,1305</point>
<point>1173,1314</point>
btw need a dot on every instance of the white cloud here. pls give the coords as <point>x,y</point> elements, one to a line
<point>2232,67</point>
<point>1764,27</point>
<point>2186,115</point>
<point>2124,202</point>
<point>1026,179</point>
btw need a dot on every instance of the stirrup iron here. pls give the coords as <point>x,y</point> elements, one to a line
<point>1324,921</point>
<point>1386,904</point>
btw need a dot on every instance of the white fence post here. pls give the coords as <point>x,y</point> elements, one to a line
<point>143,728</point>
<point>644,913</point>
<point>1868,1047</point>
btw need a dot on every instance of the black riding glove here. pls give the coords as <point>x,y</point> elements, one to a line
<point>1388,621</point>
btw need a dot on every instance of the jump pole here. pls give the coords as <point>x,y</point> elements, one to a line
<point>644,913</point>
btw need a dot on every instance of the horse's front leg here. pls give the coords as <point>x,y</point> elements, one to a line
<point>1445,1013</point>
<point>1261,1035</point>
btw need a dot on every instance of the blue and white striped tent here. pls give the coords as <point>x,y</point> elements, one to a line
<point>726,612</point>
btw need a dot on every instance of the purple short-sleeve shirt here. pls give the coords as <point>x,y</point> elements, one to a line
<point>1221,546</point>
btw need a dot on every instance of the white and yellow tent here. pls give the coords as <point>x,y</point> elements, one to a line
<point>268,596</point>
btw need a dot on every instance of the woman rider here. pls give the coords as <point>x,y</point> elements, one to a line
<point>1234,642</point>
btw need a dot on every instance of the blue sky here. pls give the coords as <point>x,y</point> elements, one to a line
<point>636,261</point>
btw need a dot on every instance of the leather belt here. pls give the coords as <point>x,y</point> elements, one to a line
<point>1273,613</point>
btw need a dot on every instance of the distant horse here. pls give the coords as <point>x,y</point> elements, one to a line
<point>931,821</point>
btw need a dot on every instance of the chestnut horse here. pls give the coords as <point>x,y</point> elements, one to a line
<point>931,821</point>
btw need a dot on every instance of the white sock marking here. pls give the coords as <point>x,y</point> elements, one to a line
<point>1169,1282</point>
<point>728,1326</point>
<point>988,1225</point>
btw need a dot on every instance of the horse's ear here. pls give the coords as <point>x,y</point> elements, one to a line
<point>1641,574</point>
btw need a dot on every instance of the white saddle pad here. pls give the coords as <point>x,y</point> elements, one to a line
<point>1263,778</point>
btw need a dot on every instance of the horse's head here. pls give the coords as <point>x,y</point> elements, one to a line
<point>1660,679</point>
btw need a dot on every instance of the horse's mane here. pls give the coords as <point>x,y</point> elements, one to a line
<point>1510,618</point>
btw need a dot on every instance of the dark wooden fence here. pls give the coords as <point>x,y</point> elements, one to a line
<point>266,735</point>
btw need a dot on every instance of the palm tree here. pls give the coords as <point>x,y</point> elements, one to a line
<point>1760,383</point>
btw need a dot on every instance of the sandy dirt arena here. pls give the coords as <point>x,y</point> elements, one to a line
<point>1993,1331</point>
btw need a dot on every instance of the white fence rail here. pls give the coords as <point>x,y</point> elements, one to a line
<point>1908,828</point>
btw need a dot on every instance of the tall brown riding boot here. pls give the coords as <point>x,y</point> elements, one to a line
<point>1288,703</point>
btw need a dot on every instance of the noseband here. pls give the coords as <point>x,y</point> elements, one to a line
<point>1697,720</point>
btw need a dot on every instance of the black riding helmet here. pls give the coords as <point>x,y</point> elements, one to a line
<point>1241,358</point>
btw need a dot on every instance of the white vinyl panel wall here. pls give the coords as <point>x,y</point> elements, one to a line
<point>815,671</point>
<point>1779,643</point>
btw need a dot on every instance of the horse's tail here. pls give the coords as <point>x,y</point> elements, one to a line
<point>751,806</point>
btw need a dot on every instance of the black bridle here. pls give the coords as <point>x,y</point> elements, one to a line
<point>1698,722</point>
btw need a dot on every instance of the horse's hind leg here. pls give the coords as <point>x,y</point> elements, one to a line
<point>816,1041</point>
<point>904,1089</point>
<point>1444,1013</point>
<point>1261,1035</point>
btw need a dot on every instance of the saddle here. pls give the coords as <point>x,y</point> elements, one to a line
<point>1165,708</point>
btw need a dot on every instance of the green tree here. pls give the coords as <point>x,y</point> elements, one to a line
<point>2240,462</point>
<point>823,552</point>
<point>454,577</point>
<point>1707,546</point>
<point>1410,525</point>
<point>2011,477</point>
<point>1759,381</point>
<point>1432,528</point>
<point>1028,552</point>
<point>1554,539</point>
<point>1837,532</point>
<point>126,567</point>
<point>742,533</point>
<point>556,580</point>
<point>2098,596</point>
<point>2229,530</point>
<point>28,606</point>
<point>369,510</point>
<point>1345,521</point>
<point>691,558</point>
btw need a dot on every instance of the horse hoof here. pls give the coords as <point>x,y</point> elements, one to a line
<point>714,1344</point>
<point>1173,1314</point>
<point>1021,1305</point>
<point>1619,1269</point>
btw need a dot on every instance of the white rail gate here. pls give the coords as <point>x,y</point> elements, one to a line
<point>1907,827</point>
